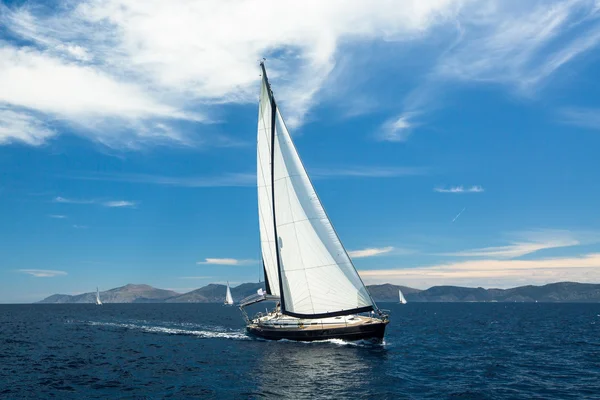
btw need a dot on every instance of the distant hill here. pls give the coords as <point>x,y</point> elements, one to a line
<point>554,292</point>
<point>215,293</point>
<point>126,294</point>
<point>389,292</point>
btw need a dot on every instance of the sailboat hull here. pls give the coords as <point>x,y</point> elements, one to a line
<point>372,331</point>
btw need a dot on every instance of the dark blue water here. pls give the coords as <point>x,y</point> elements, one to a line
<point>470,351</point>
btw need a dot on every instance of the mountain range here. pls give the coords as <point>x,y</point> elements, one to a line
<point>215,293</point>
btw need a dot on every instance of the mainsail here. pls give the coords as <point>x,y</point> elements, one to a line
<point>98,302</point>
<point>228,298</point>
<point>309,269</point>
<point>402,299</point>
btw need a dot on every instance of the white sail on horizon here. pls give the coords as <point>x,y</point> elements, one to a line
<point>228,298</point>
<point>402,298</point>
<point>317,276</point>
<point>98,302</point>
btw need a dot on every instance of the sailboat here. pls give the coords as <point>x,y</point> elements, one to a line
<point>228,298</point>
<point>308,273</point>
<point>402,299</point>
<point>98,302</point>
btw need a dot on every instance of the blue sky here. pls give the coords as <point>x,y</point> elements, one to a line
<point>127,139</point>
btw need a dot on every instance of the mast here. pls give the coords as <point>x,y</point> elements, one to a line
<point>276,238</point>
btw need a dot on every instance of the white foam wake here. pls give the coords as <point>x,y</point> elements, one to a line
<point>341,342</point>
<point>205,334</point>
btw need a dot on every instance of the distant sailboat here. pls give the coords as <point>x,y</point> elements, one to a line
<point>98,302</point>
<point>402,299</point>
<point>228,298</point>
<point>308,272</point>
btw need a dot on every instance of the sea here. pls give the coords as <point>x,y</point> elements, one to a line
<point>185,351</point>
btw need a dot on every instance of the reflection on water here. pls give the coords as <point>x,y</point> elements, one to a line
<point>330,369</point>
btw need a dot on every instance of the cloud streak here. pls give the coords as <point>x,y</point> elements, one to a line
<point>530,242</point>
<point>42,273</point>
<point>397,129</point>
<point>119,203</point>
<point>226,261</point>
<point>588,118</point>
<point>243,179</point>
<point>460,189</point>
<point>493,273</point>
<point>370,252</point>
<point>110,204</point>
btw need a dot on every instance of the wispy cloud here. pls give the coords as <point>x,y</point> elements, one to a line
<point>42,273</point>
<point>397,129</point>
<point>143,74</point>
<point>242,179</point>
<point>494,273</point>
<point>530,242</point>
<point>79,226</point>
<point>224,180</point>
<point>22,126</point>
<point>520,45</point>
<point>226,261</point>
<point>57,216</point>
<point>366,171</point>
<point>72,201</point>
<point>370,252</point>
<point>459,189</point>
<point>588,118</point>
<point>111,203</point>
<point>119,203</point>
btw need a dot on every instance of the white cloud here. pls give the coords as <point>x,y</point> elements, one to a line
<point>531,242</point>
<point>459,189</point>
<point>493,273</point>
<point>22,126</point>
<point>370,252</point>
<point>42,273</point>
<point>225,261</point>
<point>112,203</point>
<point>519,44</point>
<point>119,203</point>
<point>57,216</point>
<point>59,199</point>
<point>152,60</point>
<point>80,226</point>
<point>583,117</point>
<point>135,67</point>
<point>397,129</point>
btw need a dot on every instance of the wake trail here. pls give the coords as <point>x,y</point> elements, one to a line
<point>211,333</point>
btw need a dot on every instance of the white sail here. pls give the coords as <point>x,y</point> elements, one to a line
<point>98,302</point>
<point>265,199</point>
<point>228,298</point>
<point>316,273</point>
<point>402,299</point>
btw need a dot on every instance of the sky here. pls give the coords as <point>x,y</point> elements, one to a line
<point>452,142</point>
